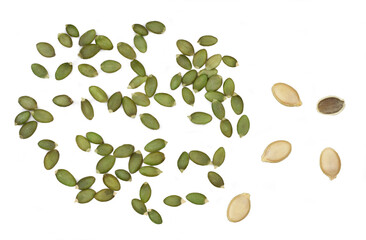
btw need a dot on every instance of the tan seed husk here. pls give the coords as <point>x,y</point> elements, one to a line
<point>28,129</point>
<point>42,116</point>
<point>27,102</point>
<point>219,157</point>
<point>46,49</point>
<point>65,177</point>
<point>151,85</point>
<point>239,207</point>
<point>138,68</point>
<point>243,125</point>
<point>110,66</point>
<point>62,100</point>
<point>83,143</point>
<point>331,105</point>
<point>114,102</point>
<point>230,61</point>
<point>104,42</point>
<point>215,179</point>
<point>105,164</point>
<point>149,121</point>
<point>129,107</point>
<point>51,159</point>
<point>104,195</point>
<point>184,62</point>
<point>155,27</point>
<point>63,71</point>
<point>200,118</point>
<point>72,30</point>
<point>85,196</point>
<point>226,127</point>
<point>199,58</point>
<point>126,50</point>
<point>111,182</point>
<point>207,40</point>
<point>330,163</point>
<point>65,40</point>
<point>140,43</point>
<point>39,70</point>
<point>188,96</point>
<point>89,51</point>
<point>87,70</point>
<point>164,99</point>
<point>199,158</point>
<point>22,118</point>
<point>276,151</point>
<point>87,109</point>
<point>98,94</point>
<point>141,99</point>
<point>286,95</point>
<point>185,47</point>
<point>213,62</point>
<point>87,38</point>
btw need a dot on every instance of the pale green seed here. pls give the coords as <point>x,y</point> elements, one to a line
<point>85,183</point>
<point>85,196</point>
<point>218,109</point>
<point>200,118</point>
<point>39,70</point>
<point>62,100</point>
<point>104,149</point>
<point>243,126</point>
<point>154,158</point>
<point>129,107</point>
<point>123,175</point>
<point>213,62</point>
<point>110,66</point>
<point>114,102</point>
<point>173,200</point>
<point>27,102</point>
<point>140,29</point>
<point>139,206</point>
<point>124,151</point>
<point>140,43</point>
<point>28,129</point>
<point>210,96</point>
<point>94,138</point>
<point>46,49</point>
<point>185,47</point>
<point>215,179</point>
<point>207,40</point>
<point>65,177</point>
<point>98,94</point>
<point>138,68</point>
<point>176,81</point>
<point>87,37</point>
<point>83,143</point>
<point>188,96</point>
<point>189,77</point>
<point>229,87</point>
<point>89,51</point>
<point>135,162</point>
<point>47,144</point>
<point>183,161</point>
<point>51,159</point>
<point>237,104</point>
<point>145,192</point>
<point>141,99</point>
<point>22,118</point>
<point>199,158</point>
<point>149,121</point>
<point>209,73</point>
<point>155,145</point>
<point>136,82</point>
<point>87,109</point>
<point>164,99</point>
<point>200,82</point>
<point>214,83</point>
<point>154,216</point>
<point>72,30</point>
<point>65,40</point>
<point>126,50</point>
<point>111,182</point>
<point>199,58</point>
<point>104,195</point>
<point>226,128</point>
<point>219,157</point>
<point>155,27</point>
<point>197,198</point>
<point>87,70</point>
<point>42,116</point>
<point>63,71</point>
<point>104,42</point>
<point>230,61</point>
<point>149,171</point>
<point>105,164</point>
<point>151,85</point>
<point>184,62</point>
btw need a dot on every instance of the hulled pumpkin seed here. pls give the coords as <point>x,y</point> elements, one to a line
<point>200,118</point>
<point>276,151</point>
<point>151,85</point>
<point>286,95</point>
<point>46,49</point>
<point>140,29</point>
<point>51,159</point>
<point>63,71</point>
<point>114,102</point>
<point>214,83</point>
<point>62,100</point>
<point>145,192</point>
<point>229,87</point>
<point>155,27</point>
<point>213,62</point>
<point>237,104</point>
<point>210,96</point>
<point>138,68</point>
<point>39,70</point>
<point>200,82</point>
<point>27,129</point>
<point>188,96</point>
<point>330,105</point>
<point>65,177</point>
<point>226,128</point>
<point>218,109</point>
<point>184,62</point>
<point>238,208</point>
<point>87,70</point>
<point>85,196</point>
<point>230,61</point>
<point>72,30</point>
<point>164,99</point>
<point>65,40</point>
<point>135,162</point>
<point>47,144</point>
<point>94,138</point>
<point>199,158</point>
<point>22,118</point>
<point>176,81</point>
<point>42,116</point>
<point>215,179</point>
<point>110,66</point>
<point>140,43</point>
<point>173,201</point>
<point>141,99</point>
<point>83,143</point>
<point>149,171</point>
<point>105,164</point>
<point>189,77</point>
<point>243,125</point>
<point>149,121</point>
<point>126,50</point>
<point>89,51</point>
<point>103,42</point>
<point>87,37</point>
<point>155,145</point>
<point>27,102</point>
<point>87,109</point>
<point>123,175</point>
<point>330,163</point>
<point>185,47</point>
<point>136,82</point>
<point>199,58</point>
<point>85,183</point>
<point>104,195</point>
<point>207,40</point>
<point>111,182</point>
<point>139,206</point>
<point>154,216</point>
<point>219,157</point>
<point>104,149</point>
<point>183,161</point>
<point>209,73</point>
<point>98,94</point>
<point>123,151</point>
<point>197,198</point>
<point>154,158</point>
<point>129,107</point>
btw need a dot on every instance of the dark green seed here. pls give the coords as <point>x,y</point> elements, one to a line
<point>87,109</point>
<point>141,99</point>
<point>185,47</point>
<point>155,145</point>
<point>188,96</point>
<point>215,179</point>
<point>94,138</point>
<point>199,58</point>
<point>243,126</point>
<point>164,99</point>
<point>104,149</point>
<point>27,102</point>
<point>63,71</point>
<point>207,40</point>
<point>149,121</point>
<point>114,102</point>
<point>129,107</point>
<point>200,82</point>
<point>189,77</point>
<point>89,51</point>
<point>98,94</point>
<point>145,192</point>
<point>139,206</point>
<point>103,42</point>
<point>209,73</point>
<point>155,27</point>
<point>85,183</point>
<point>62,100</point>
<point>110,66</point>
<point>210,96</point>
<point>184,62</point>
<point>85,196</point>
<point>176,81</point>
<point>51,159</point>
<point>136,82</point>
<point>140,43</point>
<point>151,85</point>
<point>45,49</point>
<point>197,198</point>
<point>230,61</point>
<point>126,50</point>
<point>27,129</point>
<point>42,116</point>
<point>154,216</point>
<point>105,164</point>
<point>104,195</point>
<point>229,87</point>
<point>111,182</point>
<point>237,104</point>
<point>183,161</point>
<point>83,143</point>
<point>47,144</point>
<point>138,68</point>
<point>199,158</point>
<point>218,109</point>
<point>65,177</point>
<point>214,83</point>
<point>123,175</point>
<point>39,70</point>
<point>140,29</point>
<point>22,118</point>
<point>135,162</point>
<point>226,128</point>
<point>87,37</point>
<point>72,30</point>
<point>154,158</point>
<point>173,201</point>
<point>87,70</point>
<point>149,171</point>
<point>200,118</point>
<point>219,157</point>
<point>65,40</point>
<point>123,151</point>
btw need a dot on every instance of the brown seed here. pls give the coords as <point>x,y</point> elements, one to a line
<point>331,105</point>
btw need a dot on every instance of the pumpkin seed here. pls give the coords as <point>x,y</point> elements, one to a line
<point>27,129</point>
<point>176,81</point>
<point>126,50</point>
<point>140,29</point>
<point>140,43</point>
<point>200,82</point>
<point>173,201</point>
<point>185,47</point>
<point>215,179</point>
<point>62,100</point>
<point>330,105</point>
<point>129,107</point>
<point>87,37</point>
<point>145,192</point>
<point>104,195</point>
<point>199,158</point>
<point>189,77</point>
<point>230,61</point>
<point>210,96</point>
<point>330,163</point>
<point>209,73</point>
<point>111,182</point>
<point>155,145</point>
<point>151,85</point>
<point>213,62</point>
<point>286,95</point>
<point>149,121</point>
<point>65,40</point>
<point>199,58</point>
<point>219,157</point>
<point>149,171</point>
<point>164,99</point>
<point>197,198</point>
<point>276,151</point>
<point>123,175</point>
<point>123,151</point>
<point>27,102</point>
<point>207,40</point>
<point>47,144</point>
<point>188,96</point>
<point>218,109</point>
<point>154,158</point>
<point>139,206</point>
<point>238,208</point>
<point>94,138</point>
<point>104,149</point>
<point>63,71</point>
<point>89,51</point>
<point>85,196</point>
<point>183,161</point>
<point>229,87</point>
<point>87,70</point>
<point>42,116</point>
<point>110,66</point>
<point>138,68</point>
<point>72,30</point>
<point>226,128</point>
<point>51,159</point>
<point>39,70</point>
<point>104,42</point>
<point>237,104</point>
<point>22,118</point>
<point>136,82</point>
<point>243,125</point>
<point>65,177</point>
<point>141,99</point>
<point>87,109</point>
<point>184,62</point>
<point>83,143</point>
<point>98,94</point>
<point>114,102</point>
<point>105,164</point>
<point>154,216</point>
<point>200,118</point>
<point>214,83</point>
<point>46,49</point>
<point>155,27</point>
<point>85,183</point>
<point>135,162</point>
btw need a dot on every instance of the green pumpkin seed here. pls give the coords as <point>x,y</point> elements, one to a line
<point>149,171</point>
<point>176,81</point>
<point>27,102</point>
<point>188,96</point>
<point>47,144</point>
<point>28,129</point>
<point>155,145</point>
<point>243,126</point>
<point>111,182</point>
<point>197,198</point>
<point>230,61</point>
<point>94,138</point>
<point>185,47</point>
<point>154,158</point>
<point>213,62</point>
<point>126,50</point>
<point>140,43</point>
<point>184,62</point>
<point>42,116</point>
<point>189,77</point>
<point>85,196</point>
<point>199,58</point>
<point>110,66</point>
<point>209,73</point>
<point>62,100</point>
<point>83,143</point>
<point>207,40</point>
<point>183,161</point>
<point>89,51</point>
<point>65,40</point>
<point>104,149</point>
<point>65,177</point>
<point>139,206</point>
<point>155,27</point>
<point>135,162</point>
<point>200,82</point>
<point>136,82</point>
<point>215,179</point>
<point>51,159</point>
<point>173,201</point>
<point>141,99</point>
<point>85,183</point>
<point>39,70</point>
<point>199,158</point>
<point>226,128</point>
<point>22,118</point>
<point>138,68</point>
<point>151,85</point>
<point>210,96</point>
<point>103,42</point>
<point>200,118</point>
<point>214,83</point>
<point>72,30</point>
<point>218,109</point>
<point>123,175</point>
<point>87,109</point>
<point>154,216</point>
<point>115,102</point>
<point>46,49</point>
<point>87,70</point>
<point>140,29</point>
<point>63,71</point>
<point>98,94</point>
<point>149,121</point>
<point>105,164</point>
<point>123,151</point>
<point>104,195</point>
<point>164,99</point>
<point>229,87</point>
<point>145,192</point>
<point>129,107</point>
<point>237,104</point>
<point>87,37</point>
<point>219,157</point>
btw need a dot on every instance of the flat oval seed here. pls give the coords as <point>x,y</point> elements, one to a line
<point>27,129</point>
<point>136,82</point>
<point>51,159</point>
<point>22,118</point>
<point>214,83</point>
<point>185,47</point>
<point>85,183</point>
<point>154,216</point>
<point>286,95</point>
<point>184,62</point>
<point>140,29</point>
<point>89,51</point>
<point>42,116</point>
<point>129,107</point>
<point>183,161</point>
<point>126,50</point>
<point>188,96</point>
<point>330,163</point>
<point>226,127</point>
<point>197,198</point>
<point>39,70</point>
<point>104,42</point>
<point>210,96</point>
<point>65,177</point>
<point>189,77</point>
<point>176,81</point>
<point>149,121</point>
<point>213,62</point>
<point>199,58</point>
<point>47,144</point>
<point>276,151</point>
<point>145,192</point>
<point>98,94</point>
<point>114,102</point>
<point>65,40</point>
<point>139,206</point>
<point>207,40</point>
<point>140,43</point>
<point>123,175</point>
<point>219,157</point>
<point>330,105</point>
<point>229,87</point>
<point>155,145</point>
<point>111,182</point>
<point>72,30</point>
<point>173,201</point>
<point>135,162</point>
<point>27,102</point>
<point>104,195</point>
<point>123,151</point>
<point>85,196</point>
<point>94,138</point>
<point>110,66</point>
<point>87,109</point>
<point>62,100</point>
<point>243,125</point>
<point>105,164</point>
<point>149,171</point>
<point>164,99</point>
<point>199,158</point>
<point>45,49</point>
<point>200,82</point>
<point>155,27</point>
<point>218,109</point>
<point>238,208</point>
<point>104,149</point>
<point>141,99</point>
<point>63,71</point>
<point>200,118</point>
<point>138,68</point>
<point>237,104</point>
<point>215,179</point>
<point>209,73</point>
<point>87,70</point>
<point>154,158</point>
<point>87,37</point>
<point>230,61</point>
<point>151,85</point>
<point>83,143</point>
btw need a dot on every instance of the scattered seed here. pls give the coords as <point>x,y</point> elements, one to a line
<point>276,151</point>
<point>110,66</point>
<point>47,144</point>
<point>87,70</point>
<point>94,138</point>
<point>140,43</point>
<point>226,127</point>
<point>104,42</point>
<point>141,99</point>
<point>39,70</point>
<point>83,143</point>
<point>149,171</point>
<point>183,161</point>
<point>85,183</point>
<point>330,163</point>
<point>136,82</point>
<point>213,62</point>
<point>123,175</point>
<point>184,62</point>
<point>149,121</point>
<point>209,73</point>
<point>154,216</point>
<point>42,116</point>
<point>155,27</point>
<point>140,29</point>
<point>51,159</point>
<point>145,192</point>
<point>151,85</point>
<point>199,158</point>
<point>87,109</point>
<point>286,95</point>
<point>185,47</point>
<point>230,61</point>
<point>72,30</point>
<point>238,208</point>
<point>173,201</point>
<point>126,50</point>
<point>188,96</point>
<point>200,82</point>
<point>219,157</point>
<point>210,96</point>
<point>62,100</point>
<point>215,179</point>
<point>243,125</point>
<point>124,151</point>
<point>63,71</point>
<point>104,149</point>
<point>65,177</point>
<point>237,104</point>
<point>89,51</point>
<point>218,109</point>
<point>87,37</point>
<point>138,68</point>
<point>164,99</point>
<point>176,81</point>
<point>139,206</point>
<point>135,162</point>
<point>154,158</point>
<point>104,195</point>
<point>129,107</point>
<point>98,94</point>
<point>200,118</point>
<point>155,145</point>
<point>330,105</point>
<point>65,40</point>
<point>111,182</point>
<point>85,196</point>
<point>189,77</point>
<point>229,87</point>
<point>27,129</point>
<point>27,102</point>
<point>199,58</point>
<point>207,40</point>
<point>197,198</point>
<point>114,102</point>
<point>105,164</point>
<point>22,118</point>
<point>214,83</point>
<point>46,49</point>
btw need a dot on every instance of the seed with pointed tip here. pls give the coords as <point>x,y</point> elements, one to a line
<point>200,82</point>
<point>42,116</point>
<point>46,49</point>
<point>28,129</point>
<point>39,70</point>
<point>138,68</point>
<point>154,216</point>
<point>199,58</point>
<point>110,66</point>
<point>173,200</point>
<point>114,102</point>
<point>104,149</point>
<point>276,151</point>
<point>154,158</point>
<point>65,40</point>
<point>151,85</point>
<point>65,177</point>
<point>22,118</point>
<point>176,81</point>
<point>85,183</point>
<point>218,109</point>
<point>210,96</point>
<point>164,99</point>
<point>197,198</point>
<point>104,42</point>
<point>63,71</point>
<point>188,96</point>
<point>87,109</point>
<point>155,145</point>
<point>83,143</point>
<point>200,118</point>
<point>98,94</point>
<point>199,158</point>
<point>62,100</point>
<point>183,161</point>
<point>89,51</point>
<point>87,70</point>
<point>286,95</point>
<point>47,144</point>
<point>215,179</point>
<point>219,157</point>
<point>226,127</point>
<point>243,125</point>
<point>140,29</point>
<point>213,62</point>
<point>87,37</point>
<point>149,171</point>
<point>129,107</point>
<point>238,208</point>
<point>94,138</point>
<point>189,77</point>
<point>126,50</point>
<point>139,206</point>
<point>27,102</point>
<point>141,99</point>
<point>85,196</point>
<point>230,61</point>
<point>145,192</point>
<point>137,81</point>
<point>155,27</point>
<point>140,43</point>
<point>135,162</point>
<point>104,195</point>
<point>51,159</point>
<point>209,73</point>
<point>111,182</point>
<point>207,40</point>
<point>72,30</point>
<point>214,83</point>
<point>330,163</point>
<point>237,104</point>
<point>123,151</point>
<point>185,47</point>
<point>330,105</point>
<point>229,87</point>
<point>105,164</point>
<point>184,62</point>
<point>149,121</point>
<point>123,175</point>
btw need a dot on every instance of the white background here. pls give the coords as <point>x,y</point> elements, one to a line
<point>318,47</point>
